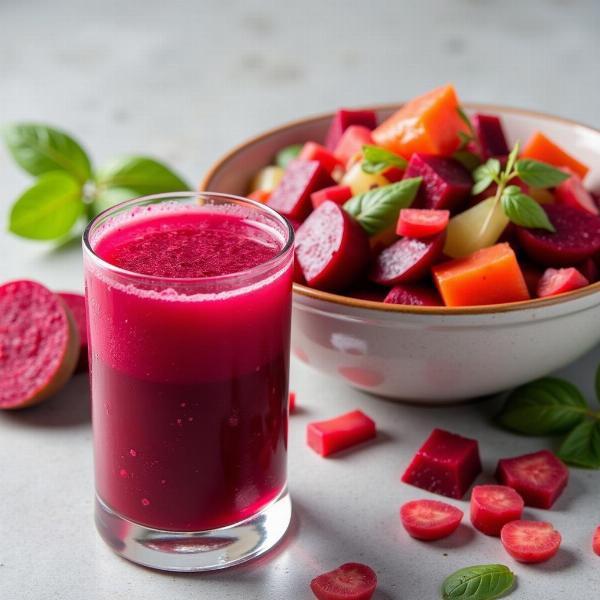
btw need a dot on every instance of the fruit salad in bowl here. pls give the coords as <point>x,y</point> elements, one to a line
<point>443,250</point>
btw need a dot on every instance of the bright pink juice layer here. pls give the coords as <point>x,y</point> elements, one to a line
<point>189,390</point>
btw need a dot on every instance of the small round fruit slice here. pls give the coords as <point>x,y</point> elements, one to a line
<point>39,344</point>
<point>430,519</point>
<point>351,581</point>
<point>76,302</point>
<point>493,506</point>
<point>422,222</point>
<point>530,541</point>
<point>596,541</point>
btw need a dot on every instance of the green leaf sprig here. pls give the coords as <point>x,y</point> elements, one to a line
<point>376,159</point>
<point>520,208</point>
<point>67,188</point>
<point>470,160</point>
<point>479,582</point>
<point>552,406</point>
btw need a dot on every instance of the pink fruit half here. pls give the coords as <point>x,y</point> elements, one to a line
<point>39,344</point>
<point>430,519</point>
<point>530,541</point>
<point>76,302</point>
<point>351,581</point>
<point>493,506</point>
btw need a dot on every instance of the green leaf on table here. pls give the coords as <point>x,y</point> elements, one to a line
<point>581,447</point>
<point>109,197</point>
<point>377,209</point>
<point>544,407</point>
<point>49,208</point>
<point>524,210</point>
<point>539,174</point>
<point>480,582</point>
<point>485,175</point>
<point>376,159</point>
<point>287,154</point>
<point>41,149</point>
<point>140,174</point>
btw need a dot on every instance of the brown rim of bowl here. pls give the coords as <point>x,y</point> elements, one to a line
<point>348,301</point>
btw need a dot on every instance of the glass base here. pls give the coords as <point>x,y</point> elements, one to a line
<point>195,551</point>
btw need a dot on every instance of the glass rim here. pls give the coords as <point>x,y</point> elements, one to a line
<point>178,281</point>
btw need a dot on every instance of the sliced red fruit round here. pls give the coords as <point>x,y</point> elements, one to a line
<point>331,248</point>
<point>530,541</point>
<point>493,506</point>
<point>39,344</point>
<point>577,237</point>
<point>413,295</point>
<point>406,260</point>
<point>430,519</point>
<point>596,541</point>
<point>76,302</point>
<point>351,581</point>
<point>559,281</point>
<point>422,222</point>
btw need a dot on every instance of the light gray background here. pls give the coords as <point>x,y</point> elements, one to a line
<point>185,80</point>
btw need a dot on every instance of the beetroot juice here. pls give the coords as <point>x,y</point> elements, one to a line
<point>189,321</point>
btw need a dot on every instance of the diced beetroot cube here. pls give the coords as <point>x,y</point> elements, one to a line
<point>539,477</point>
<point>589,269</point>
<point>559,281</point>
<point>351,142</point>
<point>333,435</point>
<point>291,197</point>
<point>314,151</point>
<point>493,506</point>
<point>336,193</point>
<point>491,135</point>
<point>573,193</point>
<point>407,260</point>
<point>413,295</point>
<point>343,119</point>
<point>446,464</point>
<point>577,237</point>
<point>446,183</point>
<point>332,248</point>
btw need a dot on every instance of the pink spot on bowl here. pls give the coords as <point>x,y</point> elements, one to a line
<point>300,354</point>
<point>361,376</point>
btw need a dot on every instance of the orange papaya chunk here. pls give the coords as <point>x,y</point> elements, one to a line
<point>541,148</point>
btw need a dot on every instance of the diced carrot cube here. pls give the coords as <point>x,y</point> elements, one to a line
<point>541,148</point>
<point>429,123</point>
<point>488,276</point>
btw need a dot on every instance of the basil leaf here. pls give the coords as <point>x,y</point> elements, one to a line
<point>48,209</point>
<point>465,119</point>
<point>40,149</point>
<point>376,159</point>
<point>544,407</point>
<point>109,197</point>
<point>480,582</point>
<point>467,159</point>
<point>379,208</point>
<point>484,175</point>
<point>287,154</point>
<point>539,174</point>
<point>512,157</point>
<point>141,174</point>
<point>524,210</point>
<point>581,447</point>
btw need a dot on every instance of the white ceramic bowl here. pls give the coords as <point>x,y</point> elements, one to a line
<point>432,355</point>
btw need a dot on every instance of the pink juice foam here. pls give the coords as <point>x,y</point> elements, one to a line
<point>189,390</point>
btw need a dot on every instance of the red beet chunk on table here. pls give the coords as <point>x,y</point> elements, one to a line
<point>351,581</point>
<point>413,295</point>
<point>539,477</point>
<point>493,506</point>
<point>343,118</point>
<point>446,464</point>
<point>332,249</point>
<point>339,433</point>
<point>577,237</point>
<point>406,260</point>
<point>491,135</point>
<point>446,183</point>
<point>291,197</point>
<point>559,281</point>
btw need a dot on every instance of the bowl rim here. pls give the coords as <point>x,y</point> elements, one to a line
<point>358,303</point>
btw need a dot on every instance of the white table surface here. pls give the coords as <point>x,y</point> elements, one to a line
<point>185,80</point>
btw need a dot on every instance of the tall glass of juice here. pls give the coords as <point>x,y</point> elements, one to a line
<point>189,306</point>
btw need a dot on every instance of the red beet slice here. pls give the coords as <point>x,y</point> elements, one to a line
<point>339,433</point>
<point>491,135</point>
<point>407,260</point>
<point>577,237</point>
<point>573,193</point>
<point>559,281</point>
<point>351,142</point>
<point>530,541</point>
<point>342,119</point>
<point>430,519</point>
<point>336,193</point>
<point>446,183</point>
<point>39,344</point>
<point>331,248</point>
<point>493,506</point>
<point>291,197</point>
<point>413,295</point>
<point>446,464</point>
<point>421,222</point>
<point>351,581</point>
<point>539,477</point>
<point>76,302</point>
